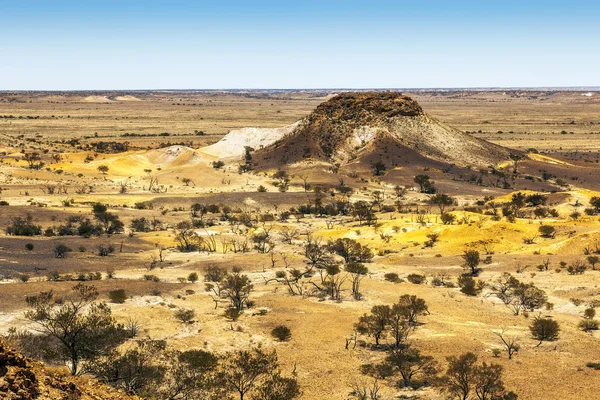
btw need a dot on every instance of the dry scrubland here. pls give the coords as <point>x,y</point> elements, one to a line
<point>159,178</point>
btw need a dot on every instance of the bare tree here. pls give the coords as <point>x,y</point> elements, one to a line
<point>510,343</point>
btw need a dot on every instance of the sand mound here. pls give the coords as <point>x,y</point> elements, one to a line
<point>232,145</point>
<point>174,156</point>
<point>97,99</point>
<point>127,98</point>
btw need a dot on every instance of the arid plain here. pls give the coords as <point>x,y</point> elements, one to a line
<point>144,157</point>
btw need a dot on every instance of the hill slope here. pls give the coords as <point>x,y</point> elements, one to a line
<point>350,124</point>
<point>24,379</point>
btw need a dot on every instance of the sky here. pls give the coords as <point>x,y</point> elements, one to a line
<point>136,45</point>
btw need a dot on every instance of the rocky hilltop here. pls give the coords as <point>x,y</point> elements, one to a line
<point>355,125</point>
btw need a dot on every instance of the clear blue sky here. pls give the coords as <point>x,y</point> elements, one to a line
<point>173,44</point>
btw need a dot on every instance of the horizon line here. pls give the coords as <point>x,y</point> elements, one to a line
<point>450,88</point>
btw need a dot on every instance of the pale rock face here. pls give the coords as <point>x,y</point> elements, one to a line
<point>232,145</point>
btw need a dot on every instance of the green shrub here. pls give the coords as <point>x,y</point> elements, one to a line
<point>185,315</point>
<point>392,277</point>
<point>281,333</point>
<point>117,296</point>
<point>416,278</point>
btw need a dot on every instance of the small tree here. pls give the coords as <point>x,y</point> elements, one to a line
<point>237,288</point>
<point>60,250</point>
<point>442,201</point>
<point>357,271</point>
<point>547,231</point>
<point>255,371</point>
<point>376,323</point>
<point>103,169</point>
<point>593,260</point>
<point>379,168</point>
<point>83,328</point>
<point>193,277</point>
<point>472,261</point>
<point>464,378</point>
<point>544,329</point>
<point>510,343</point>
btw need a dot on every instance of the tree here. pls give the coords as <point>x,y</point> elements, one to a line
<point>316,254</point>
<point>358,271</point>
<point>103,168</point>
<point>379,168</point>
<point>464,378</point>
<point>134,371</point>
<point>510,343</point>
<point>254,370</point>
<point>547,231</point>
<point>458,381</point>
<point>237,288</point>
<point>214,276</point>
<point>442,201</point>
<point>412,307</point>
<point>399,325</point>
<point>425,184</point>
<point>186,237</point>
<point>488,383</point>
<point>350,250</point>
<point>517,295</point>
<point>110,222</point>
<point>34,160</point>
<point>472,260</point>
<point>595,202</point>
<point>376,323</point>
<point>469,286</point>
<point>363,210</point>
<point>193,277</point>
<point>61,251</point>
<point>593,260</point>
<point>410,363</point>
<point>187,181</point>
<point>84,328</point>
<point>544,329</point>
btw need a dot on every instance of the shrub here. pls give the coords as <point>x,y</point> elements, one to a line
<point>152,278</point>
<point>23,227</point>
<point>587,325</point>
<point>117,296</point>
<point>232,313</point>
<point>29,246</point>
<point>547,231</point>
<point>104,251</point>
<point>392,277</point>
<point>593,365</point>
<point>60,251</point>
<point>185,315</point>
<point>281,333</point>
<point>469,286</point>
<point>416,278</point>
<point>544,329</point>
